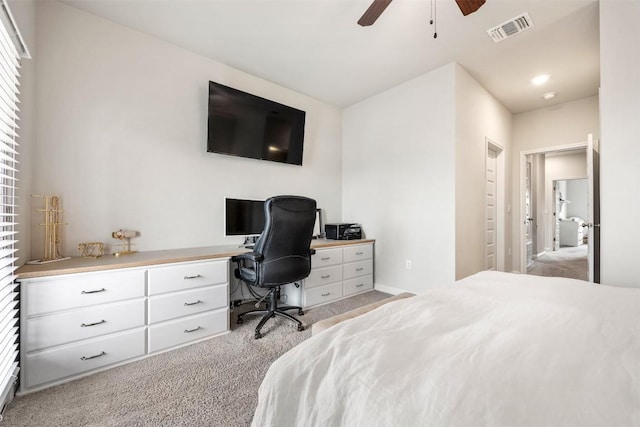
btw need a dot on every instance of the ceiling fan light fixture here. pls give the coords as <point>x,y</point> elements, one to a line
<point>373,12</point>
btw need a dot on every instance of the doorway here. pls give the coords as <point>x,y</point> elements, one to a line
<point>568,256</point>
<point>556,230</point>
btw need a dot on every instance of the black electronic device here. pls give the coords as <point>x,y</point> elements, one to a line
<point>343,231</point>
<point>246,125</point>
<point>243,217</point>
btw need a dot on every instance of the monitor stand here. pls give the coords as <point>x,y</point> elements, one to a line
<point>250,241</point>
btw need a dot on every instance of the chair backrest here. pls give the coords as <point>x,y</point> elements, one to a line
<point>285,240</point>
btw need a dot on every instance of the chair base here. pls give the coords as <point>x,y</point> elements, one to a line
<point>272,311</point>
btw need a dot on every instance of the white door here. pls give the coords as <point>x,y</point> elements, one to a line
<point>528,221</point>
<point>491,198</point>
<point>593,173</point>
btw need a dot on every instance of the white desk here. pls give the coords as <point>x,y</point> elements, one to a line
<point>80,316</point>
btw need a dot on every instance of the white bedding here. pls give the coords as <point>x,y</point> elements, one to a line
<point>494,349</point>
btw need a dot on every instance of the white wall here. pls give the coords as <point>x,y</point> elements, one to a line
<point>478,116</point>
<point>398,169</point>
<point>538,130</point>
<point>578,195</point>
<point>620,142</point>
<point>121,137</point>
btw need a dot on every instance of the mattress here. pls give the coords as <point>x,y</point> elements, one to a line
<point>496,349</point>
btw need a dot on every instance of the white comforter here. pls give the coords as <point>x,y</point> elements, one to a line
<point>494,349</point>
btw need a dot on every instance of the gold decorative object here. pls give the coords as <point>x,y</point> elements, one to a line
<point>125,236</point>
<point>91,249</point>
<point>52,230</point>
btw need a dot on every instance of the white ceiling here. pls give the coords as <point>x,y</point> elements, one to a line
<point>316,47</point>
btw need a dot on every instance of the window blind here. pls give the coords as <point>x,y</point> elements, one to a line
<point>10,47</point>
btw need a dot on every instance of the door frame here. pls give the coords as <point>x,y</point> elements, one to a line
<point>500,201</point>
<point>522,240</point>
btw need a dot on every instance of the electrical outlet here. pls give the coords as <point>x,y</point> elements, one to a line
<point>408,264</point>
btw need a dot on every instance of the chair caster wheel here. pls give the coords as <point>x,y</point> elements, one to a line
<point>300,327</point>
<point>239,321</point>
<point>258,335</point>
<point>300,313</point>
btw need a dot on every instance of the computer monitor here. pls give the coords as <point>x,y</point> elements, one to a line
<point>243,217</point>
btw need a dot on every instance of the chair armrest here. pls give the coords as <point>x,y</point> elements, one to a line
<point>247,256</point>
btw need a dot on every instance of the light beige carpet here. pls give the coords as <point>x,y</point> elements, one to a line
<point>568,262</point>
<point>212,383</point>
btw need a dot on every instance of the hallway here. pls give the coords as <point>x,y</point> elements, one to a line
<point>566,262</point>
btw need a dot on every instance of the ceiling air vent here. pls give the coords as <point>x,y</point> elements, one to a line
<point>510,28</point>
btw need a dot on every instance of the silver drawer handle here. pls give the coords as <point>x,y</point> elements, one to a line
<point>192,277</point>
<point>85,325</point>
<point>187,331</point>
<point>192,303</point>
<point>102,353</point>
<point>360,269</point>
<point>326,295</point>
<point>326,258</point>
<point>360,285</point>
<point>93,292</point>
<point>359,253</point>
<point>325,277</point>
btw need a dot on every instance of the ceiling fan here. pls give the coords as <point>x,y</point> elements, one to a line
<point>378,6</point>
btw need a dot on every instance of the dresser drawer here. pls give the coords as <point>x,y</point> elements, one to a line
<point>178,304</point>
<point>323,294</point>
<point>80,324</point>
<point>323,276</point>
<point>81,290</point>
<point>187,276</point>
<point>326,257</point>
<point>180,331</point>
<point>359,268</point>
<point>49,365</point>
<point>357,253</point>
<point>359,284</point>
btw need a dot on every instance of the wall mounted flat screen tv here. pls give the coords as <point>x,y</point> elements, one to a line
<point>245,125</point>
<point>243,217</point>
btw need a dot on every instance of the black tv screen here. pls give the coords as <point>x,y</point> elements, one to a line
<point>243,217</point>
<point>245,125</point>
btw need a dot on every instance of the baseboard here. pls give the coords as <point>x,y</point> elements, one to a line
<point>389,289</point>
<point>541,253</point>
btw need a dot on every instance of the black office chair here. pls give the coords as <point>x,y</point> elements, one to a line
<point>281,255</point>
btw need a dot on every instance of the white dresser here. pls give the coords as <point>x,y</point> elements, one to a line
<point>81,316</point>
<point>336,272</point>
<point>76,324</point>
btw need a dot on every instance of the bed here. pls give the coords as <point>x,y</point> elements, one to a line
<point>496,349</point>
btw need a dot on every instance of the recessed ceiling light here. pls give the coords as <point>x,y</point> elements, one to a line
<point>549,95</point>
<point>540,80</point>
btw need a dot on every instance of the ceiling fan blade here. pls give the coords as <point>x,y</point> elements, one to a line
<point>469,6</point>
<point>373,12</point>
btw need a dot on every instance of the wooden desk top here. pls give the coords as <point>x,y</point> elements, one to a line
<point>150,258</point>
